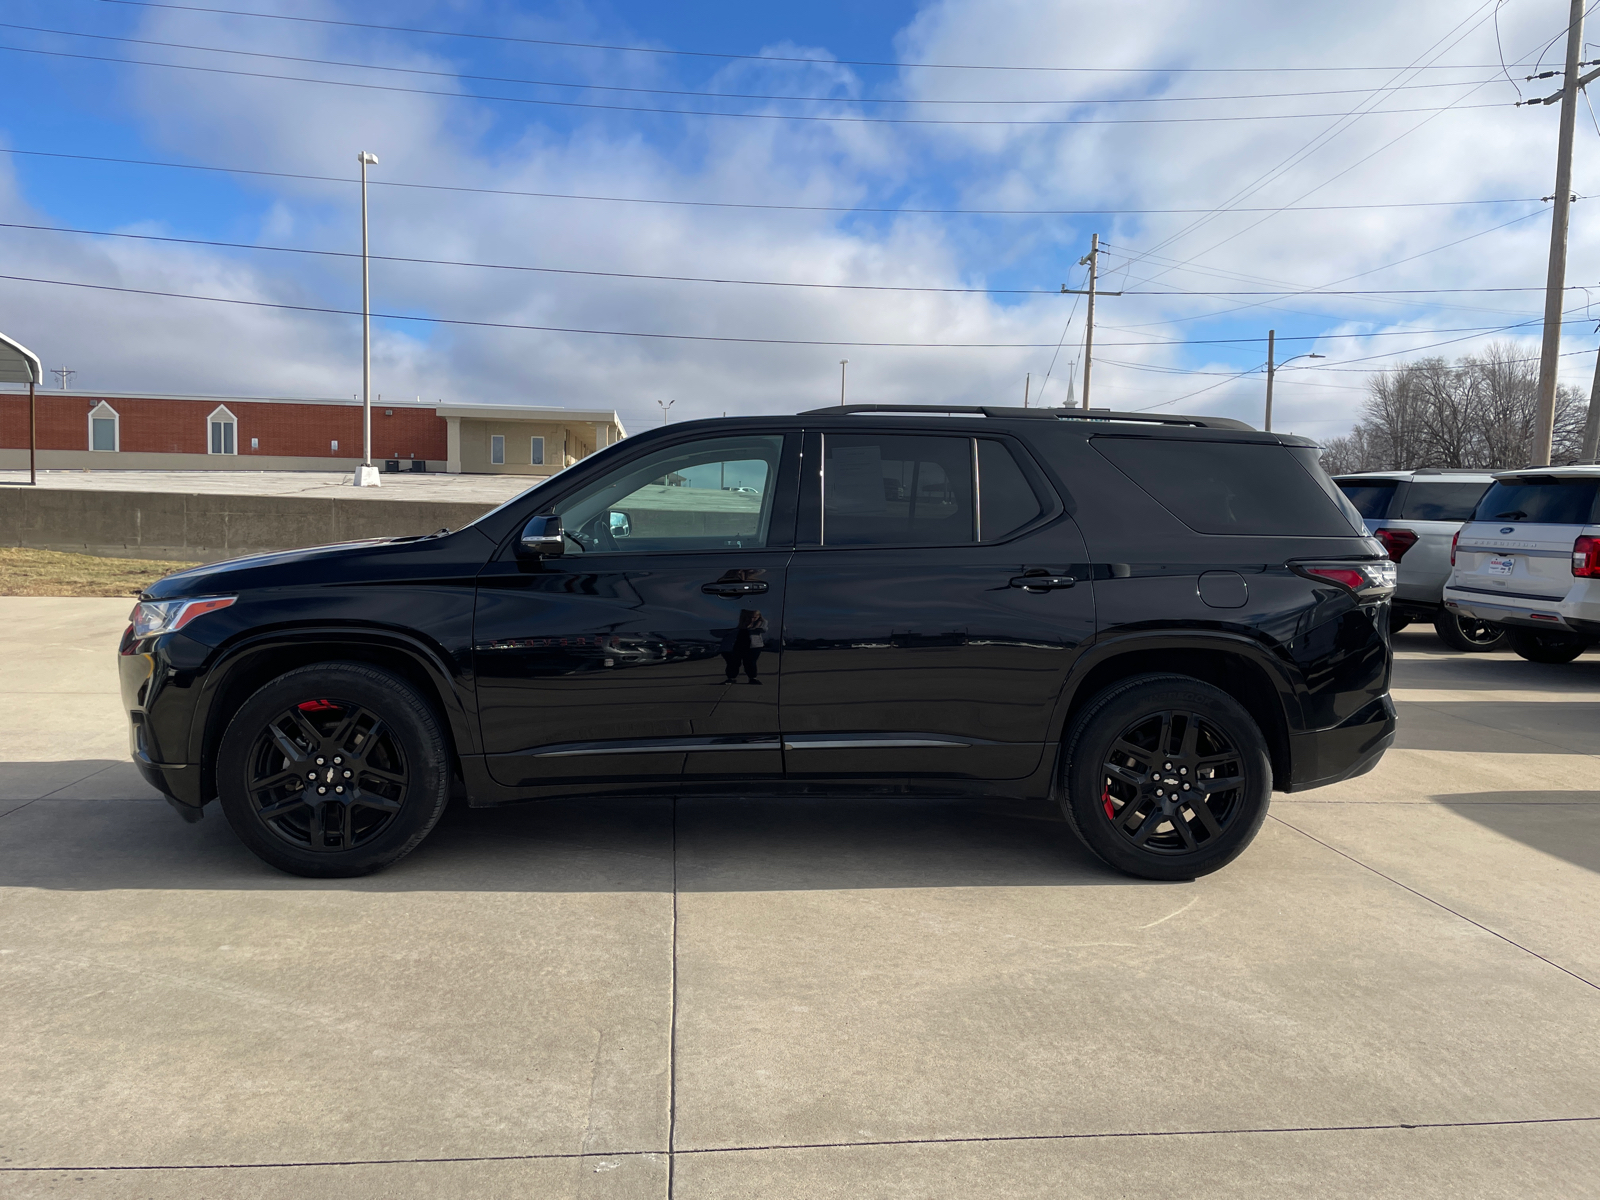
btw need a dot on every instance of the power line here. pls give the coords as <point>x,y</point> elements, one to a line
<point>827,62</point>
<point>694,337</point>
<point>820,208</point>
<point>692,112</point>
<point>639,275</point>
<point>607,87</point>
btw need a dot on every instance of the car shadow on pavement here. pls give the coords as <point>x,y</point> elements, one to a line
<point>583,845</point>
<point>1563,824</point>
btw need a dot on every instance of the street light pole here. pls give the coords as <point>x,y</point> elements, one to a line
<point>843,362</point>
<point>1272,370</point>
<point>366,474</point>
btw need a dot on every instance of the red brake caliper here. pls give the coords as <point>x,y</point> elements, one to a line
<point>1105,798</point>
<point>317,706</point>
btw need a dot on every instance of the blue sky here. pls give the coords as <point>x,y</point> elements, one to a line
<point>1441,128</point>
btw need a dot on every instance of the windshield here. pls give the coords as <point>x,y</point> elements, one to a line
<point>1546,501</point>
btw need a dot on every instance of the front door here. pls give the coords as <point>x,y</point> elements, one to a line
<point>648,650</point>
<point>912,645</point>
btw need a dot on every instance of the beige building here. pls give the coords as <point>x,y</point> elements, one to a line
<point>499,439</point>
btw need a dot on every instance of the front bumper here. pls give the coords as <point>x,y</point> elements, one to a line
<point>1351,748</point>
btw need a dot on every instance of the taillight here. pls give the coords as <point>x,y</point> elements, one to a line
<point>1396,541</point>
<point>1586,557</point>
<point>1453,542</point>
<point>1368,580</point>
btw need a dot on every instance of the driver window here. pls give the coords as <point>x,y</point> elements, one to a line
<point>714,494</point>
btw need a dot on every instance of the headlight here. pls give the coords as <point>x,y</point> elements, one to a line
<point>151,617</point>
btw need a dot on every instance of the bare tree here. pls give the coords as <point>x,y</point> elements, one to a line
<point>1478,412</point>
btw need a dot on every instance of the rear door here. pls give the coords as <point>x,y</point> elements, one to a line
<point>1520,545</point>
<point>911,646</point>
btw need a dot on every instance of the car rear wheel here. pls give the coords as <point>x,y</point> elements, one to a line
<point>333,770</point>
<point>1166,777</point>
<point>1468,633</point>
<point>1536,645</point>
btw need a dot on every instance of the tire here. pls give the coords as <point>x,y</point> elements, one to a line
<point>1107,788</point>
<point>1536,645</point>
<point>396,765</point>
<point>1468,634</point>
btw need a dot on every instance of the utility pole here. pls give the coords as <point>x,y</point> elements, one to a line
<point>1027,386</point>
<point>366,474</point>
<point>1092,261</point>
<point>1591,425</point>
<point>843,362</point>
<point>64,376</point>
<point>1556,279</point>
<point>1272,342</point>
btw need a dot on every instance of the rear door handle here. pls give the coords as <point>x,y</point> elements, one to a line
<point>730,588</point>
<point>1042,583</point>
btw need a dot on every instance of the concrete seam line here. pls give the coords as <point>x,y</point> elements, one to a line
<point>672,1027</point>
<point>950,1141</point>
<point>19,807</point>
<point>1437,904</point>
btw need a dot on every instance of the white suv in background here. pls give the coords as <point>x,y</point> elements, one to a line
<point>1416,514</point>
<point>1530,561</point>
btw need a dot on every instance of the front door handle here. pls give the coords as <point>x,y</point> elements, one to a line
<point>732,588</point>
<point>1042,583</point>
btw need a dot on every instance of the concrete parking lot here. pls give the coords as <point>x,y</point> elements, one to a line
<point>1395,992</point>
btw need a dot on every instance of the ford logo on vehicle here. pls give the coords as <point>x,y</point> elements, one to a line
<point>1508,529</point>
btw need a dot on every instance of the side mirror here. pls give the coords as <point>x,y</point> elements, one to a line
<point>542,536</point>
<point>620,525</point>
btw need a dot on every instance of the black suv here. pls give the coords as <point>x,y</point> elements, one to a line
<point>1154,621</point>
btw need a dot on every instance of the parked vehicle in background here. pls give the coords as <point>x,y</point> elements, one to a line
<point>1416,514</point>
<point>1530,561</point>
<point>1153,621</point>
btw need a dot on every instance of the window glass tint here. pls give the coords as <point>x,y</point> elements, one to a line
<point>1005,500</point>
<point>1426,501</point>
<point>707,495</point>
<point>1371,499</point>
<point>884,489</point>
<point>1229,487</point>
<point>1544,502</point>
<point>105,434</point>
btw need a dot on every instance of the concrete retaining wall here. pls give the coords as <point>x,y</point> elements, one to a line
<point>208,528</point>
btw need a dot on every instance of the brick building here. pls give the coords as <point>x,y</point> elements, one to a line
<point>125,431</point>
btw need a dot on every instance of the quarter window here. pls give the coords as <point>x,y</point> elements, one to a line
<point>105,431</point>
<point>497,450</point>
<point>713,494</point>
<point>1006,502</point>
<point>897,490</point>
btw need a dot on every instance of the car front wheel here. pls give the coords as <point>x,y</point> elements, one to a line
<point>1536,645</point>
<point>333,770</point>
<point>1166,777</point>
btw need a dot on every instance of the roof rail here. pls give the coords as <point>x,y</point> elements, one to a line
<point>1037,414</point>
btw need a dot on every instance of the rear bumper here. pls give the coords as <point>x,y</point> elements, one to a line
<point>1563,616</point>
<point>1350,748</point>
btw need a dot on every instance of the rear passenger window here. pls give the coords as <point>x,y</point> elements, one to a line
<point>886,489</point>
<point>1006,501</point>
<point>1239,488</point>
<point>1371,499</point>
<point>1441,501</point>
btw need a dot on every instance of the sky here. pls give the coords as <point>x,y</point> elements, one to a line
<point>765,190</point>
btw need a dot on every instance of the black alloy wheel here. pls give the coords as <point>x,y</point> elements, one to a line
<point>1540,646</point>
<point>1167,777</point>
<point>1468,634</point>
<point>333,770</point>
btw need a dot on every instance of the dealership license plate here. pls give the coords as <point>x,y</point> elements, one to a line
<point>1500,566</point>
